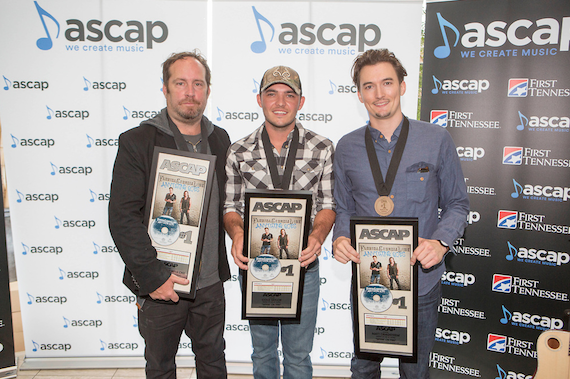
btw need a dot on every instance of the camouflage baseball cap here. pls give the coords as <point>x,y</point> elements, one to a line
<point>281,74</point>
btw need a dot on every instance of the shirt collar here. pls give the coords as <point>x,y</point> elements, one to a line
<point>375,133</point>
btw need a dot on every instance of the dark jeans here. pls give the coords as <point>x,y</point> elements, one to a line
<point>203,319</point>
<point>427,322</point>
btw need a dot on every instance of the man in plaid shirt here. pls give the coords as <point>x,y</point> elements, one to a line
<point>247,167</point>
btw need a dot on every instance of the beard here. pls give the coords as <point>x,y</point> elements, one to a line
<point>191,113</point>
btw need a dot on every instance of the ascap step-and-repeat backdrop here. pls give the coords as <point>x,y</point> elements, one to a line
<point>74,75</point>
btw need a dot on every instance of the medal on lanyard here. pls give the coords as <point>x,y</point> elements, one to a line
<point>384,205</point>
<point>278,181</point>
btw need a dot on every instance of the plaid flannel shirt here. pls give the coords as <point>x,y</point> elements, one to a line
<point>246,167</point>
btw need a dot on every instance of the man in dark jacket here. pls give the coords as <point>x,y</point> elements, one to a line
<point>164,313</point>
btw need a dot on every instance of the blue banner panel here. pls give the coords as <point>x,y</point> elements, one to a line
<point>496,76</point>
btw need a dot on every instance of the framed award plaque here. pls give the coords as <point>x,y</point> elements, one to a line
<point>276,226</point>
<point>385,286</point>
<point>177,207</point>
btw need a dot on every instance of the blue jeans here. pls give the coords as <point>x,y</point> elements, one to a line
<point>265,249</point>
<point>427,322</point>
<point>296,338</point>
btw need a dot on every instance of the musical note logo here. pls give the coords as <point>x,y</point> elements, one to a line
<point>89,141</point>
<point>20,196</point>
<point>259,47</point>
<point>325,305</point>
<point>333,87</point>
<point>65,322</point>
<point>97,248</point>
<point>220,114</point>
<point>512,252</point>
<point>323,353</point>
<point>502,373</point>
<point>126,116</point>
<point>255,86</point>
<point>15,141</point>
<point>436,88</point>
<point>61,274</point>
<point>93,196</point>
<point>26,249</point>
<point>8,83</point>
<point>45,43</point>
<point>30,298</point>
<point>53,168</point>
<point>102,345</point>
<point>87,84</point>
<point>36,346</point>
<point>507,315</point>
<point>50,113</point>
<point>518,190</point>
<point>57,222</point>
<point>135,321</point>
<point>524,121</point>
<point>444,50</point>
<point>327,254</point>
<point>99,298</point>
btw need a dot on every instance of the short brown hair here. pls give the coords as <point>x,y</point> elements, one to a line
<point>187,54</point>
<point>372,57</point>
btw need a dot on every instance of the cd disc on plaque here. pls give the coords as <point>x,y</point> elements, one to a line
<point>164,230</point>
<point>265,267</point>
<point>376,298</point>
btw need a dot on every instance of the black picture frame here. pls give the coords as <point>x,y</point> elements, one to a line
<point>177,233</point>
<point>385,320</point>
<point>272,286</point>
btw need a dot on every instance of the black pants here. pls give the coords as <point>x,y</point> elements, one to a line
<point>203,319</point>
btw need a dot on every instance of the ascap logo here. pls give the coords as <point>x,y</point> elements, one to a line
<point>309,35</point>
<point>457,279</point>
<point>385,234</point>
<point>459,86</point>
<point>527,320</point>
<point>31,142</point>
<point>519,33</point>
<point>104,248</point>
<point>237,327</point>
<point>119,345</point>
<point>74,114</point>
<point>470,153</point>
<point>335,306</point>
<point>127,299</point>
<point>335,354</point>
<point>51,197</point>
<point>73,170</point>
<point>452,336</point>
<point>540,192</point>
<point>542,123</point>
<point>49,299</point>
<point>237,115</point>
<point>24,84</point>
<point>183,167</point>
<point>41,249</point>
<point>277,207</point>
<point>510,374</point>
<point>78,323</point>
<point>74,223</point>
<point>537,256</point>
<point>97,31</point>
<point>50,346</point>
<point>77,274</point>
<point>101,142</point>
